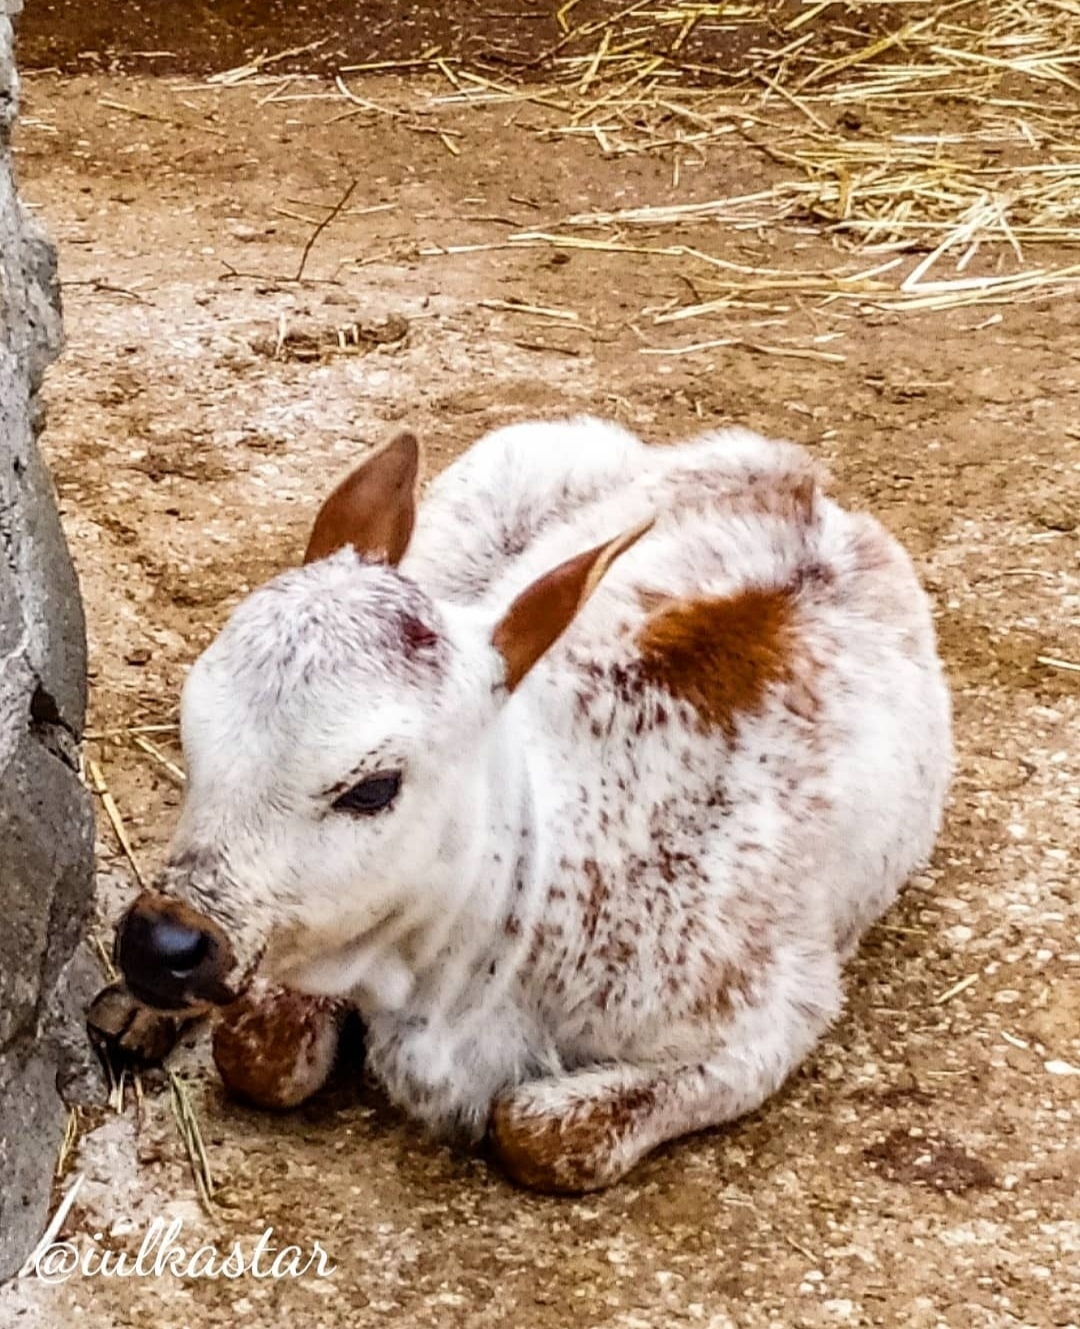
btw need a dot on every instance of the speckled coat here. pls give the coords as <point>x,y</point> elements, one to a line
<point>612,898</point>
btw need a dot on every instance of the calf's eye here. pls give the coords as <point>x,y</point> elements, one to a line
<point>371,794</point>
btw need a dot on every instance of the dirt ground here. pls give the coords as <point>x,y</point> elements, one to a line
<point>923,1168</point>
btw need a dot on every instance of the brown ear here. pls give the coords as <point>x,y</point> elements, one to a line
<point>374,508</point>
<point>544,610</point>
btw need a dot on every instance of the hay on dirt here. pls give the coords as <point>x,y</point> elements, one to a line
<point>946,136</point>
<point>99,786</point>
<point>187,1121</point>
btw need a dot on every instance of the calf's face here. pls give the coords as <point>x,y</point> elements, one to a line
<point>318,729</point>
<point>331,734</point>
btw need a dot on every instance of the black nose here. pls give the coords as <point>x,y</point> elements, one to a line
<point>171,956</point>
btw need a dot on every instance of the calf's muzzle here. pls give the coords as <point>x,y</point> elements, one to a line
<point>173,957</point>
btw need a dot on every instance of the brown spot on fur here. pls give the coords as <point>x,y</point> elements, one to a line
<point>720,654</point>
<point>546,937</point>
<point>594,901</point>
<point>730,988</point>
<point>791,497</point>
<point>802,701</point>
<point>650,599</point>
<point>568,1154</point>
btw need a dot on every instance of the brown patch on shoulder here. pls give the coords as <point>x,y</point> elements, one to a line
<point>573,1153</point>
<point>721,654</point>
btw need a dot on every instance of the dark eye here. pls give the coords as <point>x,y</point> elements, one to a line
<point>370,795</point>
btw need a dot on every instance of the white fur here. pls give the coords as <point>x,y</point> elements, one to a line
<point>512,925</point>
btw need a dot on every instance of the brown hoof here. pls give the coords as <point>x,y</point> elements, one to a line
<point>128,1031</point>
<point>274,1048</point>
<point>547,1153</point>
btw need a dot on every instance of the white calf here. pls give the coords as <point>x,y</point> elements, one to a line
<point>585,836</point>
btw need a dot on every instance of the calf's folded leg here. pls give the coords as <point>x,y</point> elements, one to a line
<point>275,1048</point>
<point>586,1129</point>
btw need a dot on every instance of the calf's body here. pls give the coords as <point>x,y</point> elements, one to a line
<point>648,797</point>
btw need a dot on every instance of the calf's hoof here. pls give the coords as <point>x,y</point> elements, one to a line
<point>561,1153</point>
<point>129,1032</point>
<point>274,1048</point>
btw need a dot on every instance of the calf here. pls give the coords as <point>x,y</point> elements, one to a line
<point>581,784</point>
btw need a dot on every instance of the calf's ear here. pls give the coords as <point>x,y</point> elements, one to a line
<point>543,611</point>
<point>374,508</point>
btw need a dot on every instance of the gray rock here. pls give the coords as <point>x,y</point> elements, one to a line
<point>46,825</point>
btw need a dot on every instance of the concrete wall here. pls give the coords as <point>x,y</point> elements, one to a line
<point>46,828</point>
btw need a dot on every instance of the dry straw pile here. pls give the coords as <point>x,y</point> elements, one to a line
<point>939,148</point>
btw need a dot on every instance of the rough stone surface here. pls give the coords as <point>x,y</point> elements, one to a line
<point>45,816</point>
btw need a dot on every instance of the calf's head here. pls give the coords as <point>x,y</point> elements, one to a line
<point>333,733</point>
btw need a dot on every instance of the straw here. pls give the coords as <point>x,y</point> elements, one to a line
<point>795,352</point>
<point>96,735</point>
<point>956,989</point>
<point>523,307</point>
<point>112,811</point>
<point>166,763</point>
<point>67,1144</point>
<point>230,77</point>
<point>1052,662</point>
<point>140,113</point>
<point>836,103</point>
<point>187,1122</point>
